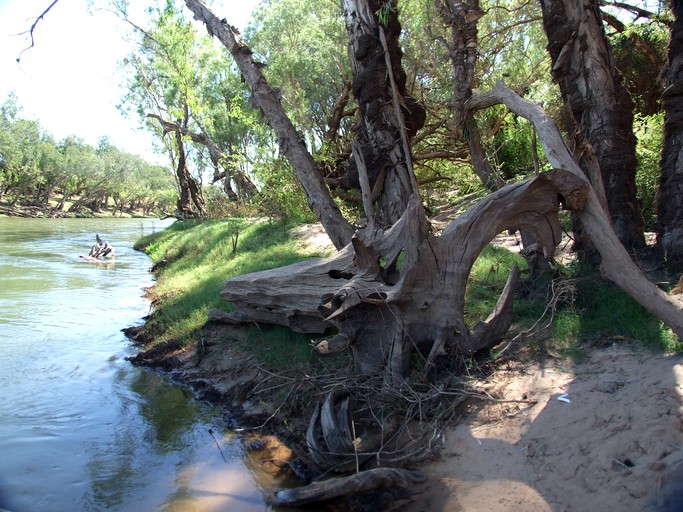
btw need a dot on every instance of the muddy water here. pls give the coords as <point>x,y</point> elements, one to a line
<point>80,428</point>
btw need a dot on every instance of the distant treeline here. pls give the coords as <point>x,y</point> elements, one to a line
<point>72,176</point>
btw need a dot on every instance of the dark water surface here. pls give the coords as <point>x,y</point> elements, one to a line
<point>80,428</point>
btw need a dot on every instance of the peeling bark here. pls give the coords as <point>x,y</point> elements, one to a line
<point>599,108</point>
<point>388,116</point>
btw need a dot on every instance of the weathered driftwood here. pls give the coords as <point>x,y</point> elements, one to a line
<point>617,265</point>
<point>333,442</point>
<point>383,312</point>
<point>275,296</point>
<point>380,478</point>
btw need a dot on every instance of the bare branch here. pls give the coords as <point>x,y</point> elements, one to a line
<point>33,28</point>
<point>638,11</point>
<point>617,264</point>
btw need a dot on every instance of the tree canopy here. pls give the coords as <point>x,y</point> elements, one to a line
<point>55,176</point>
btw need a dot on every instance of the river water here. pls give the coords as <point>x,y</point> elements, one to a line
<point>80,427</point>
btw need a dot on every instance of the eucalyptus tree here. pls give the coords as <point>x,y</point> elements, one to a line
<point>303,45</point>
<point>81,173</point>
<point>166,78</point>
<point>599,109</point>
<point>28,160</point>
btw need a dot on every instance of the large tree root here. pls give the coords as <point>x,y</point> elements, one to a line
<point>383,310</point>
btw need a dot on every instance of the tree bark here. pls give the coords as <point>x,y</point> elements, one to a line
<point>292,145</point>
<point>463,48</point>
<point>385,128</point>
<point>188,188</point>
<point>670,193</point>
<point>599,108</point>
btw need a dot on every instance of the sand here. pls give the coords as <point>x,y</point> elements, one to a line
<point>604,435</point>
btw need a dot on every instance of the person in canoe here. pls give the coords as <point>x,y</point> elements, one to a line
<point>100,250</point>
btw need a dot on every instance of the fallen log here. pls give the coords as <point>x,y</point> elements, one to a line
<point>379,478</point>
<point>383,311</point>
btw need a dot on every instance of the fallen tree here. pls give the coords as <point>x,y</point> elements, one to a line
<point>382,312</point>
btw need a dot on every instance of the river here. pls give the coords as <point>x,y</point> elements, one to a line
<point>80,427</point>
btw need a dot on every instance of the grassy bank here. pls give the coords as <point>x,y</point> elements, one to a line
<point>575,307</point>
<point>195,259</point>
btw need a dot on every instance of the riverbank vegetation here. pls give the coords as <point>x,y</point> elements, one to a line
<point>446,124</point>
<point>267,377</point>
<point>193,260</point>
<point>43,177</point>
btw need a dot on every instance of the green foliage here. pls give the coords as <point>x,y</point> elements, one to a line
<point>199,258</point>
<point>305,45</point>
<point>649,132</point>
<point>281,193</point>
<point>384,12</point>
<point>513,149</point>
<point>487,279</point>
<point>641,77</point>
<point>36,170</point>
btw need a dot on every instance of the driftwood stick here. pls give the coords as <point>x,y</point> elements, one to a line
<point>349,485</point>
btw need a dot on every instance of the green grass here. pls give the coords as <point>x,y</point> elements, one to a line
<point>592,310</point>
<point>487,280</point>
<point>197,260</point>
<point>605,311</point>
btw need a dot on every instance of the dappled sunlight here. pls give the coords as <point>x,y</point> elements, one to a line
<point>603,433</point>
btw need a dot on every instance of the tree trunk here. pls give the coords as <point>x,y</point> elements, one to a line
<point>184,203</point>
<point>244,185</point>
<point>599,108</point>
<point>292,145</point>
<point>382,155</point>
<point>462,18</point>
<point>670,194</point>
